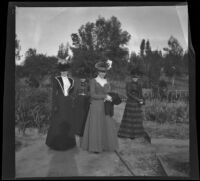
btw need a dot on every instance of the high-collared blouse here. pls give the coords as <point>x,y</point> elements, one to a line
<point>66,83</point>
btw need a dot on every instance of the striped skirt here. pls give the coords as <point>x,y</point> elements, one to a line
<point>132,121</point>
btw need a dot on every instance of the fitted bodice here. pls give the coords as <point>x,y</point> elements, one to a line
<point>99,89</point>
<point>83,88</point>
<point>134,88</point>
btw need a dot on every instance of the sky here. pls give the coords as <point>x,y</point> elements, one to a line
<point>45,28</point>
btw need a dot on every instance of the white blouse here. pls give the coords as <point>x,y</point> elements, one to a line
<point>101,81</point>
<point>66,85</point>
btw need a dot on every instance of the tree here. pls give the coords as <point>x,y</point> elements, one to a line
<point>17,49</point>
<point>142,48</point>
<point>84,59</point>
<point>105,38</point>
<point>155,64</point>
<point>147,48</point>
<point>36,66</point>
<point>174,47</point>
<point>31,52</point>
<point>63,51</point>
<point>136,62</point>
<point>185,62</point>
<point>147,57</point>
<point>173,58</point>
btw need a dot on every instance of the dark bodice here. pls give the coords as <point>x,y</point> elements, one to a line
<point>134,90</point>
<point>83,88</point>
<point>59,85</point>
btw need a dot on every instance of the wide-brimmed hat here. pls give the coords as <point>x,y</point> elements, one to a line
<point>63,65</point>
<point>83,71</point>
<point>136,72</point>
<point>102,66</point>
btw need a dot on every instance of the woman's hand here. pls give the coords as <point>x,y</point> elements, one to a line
<point>108,98</point>
<point>141,101</point>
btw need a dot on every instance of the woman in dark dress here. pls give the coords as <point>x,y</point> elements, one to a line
<point>60,134</point>
<point>132,121</point>
<point>82,101</point>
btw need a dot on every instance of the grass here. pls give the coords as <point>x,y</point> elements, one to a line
<point>167,130</point>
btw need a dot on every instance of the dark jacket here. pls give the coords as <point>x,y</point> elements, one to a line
<point>58,87</point>
<point>109,106</point>
<point>134,92</point>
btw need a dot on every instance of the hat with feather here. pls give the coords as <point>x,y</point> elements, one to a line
<point>103,66</point>
<point>63,64</point>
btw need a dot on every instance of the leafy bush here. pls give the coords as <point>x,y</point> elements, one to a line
<point>166,112</point>
<point>33,107</point>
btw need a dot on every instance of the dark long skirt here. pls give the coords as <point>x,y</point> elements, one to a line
<point>132,121</point>
<point>60,135</point>
<point>82,104</point>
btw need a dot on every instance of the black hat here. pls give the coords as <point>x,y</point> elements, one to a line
<point>83,71</point>
<point>136,72</point>
<point>102,66</point>
<point>63,65</point>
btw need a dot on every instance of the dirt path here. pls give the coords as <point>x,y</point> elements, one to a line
<point>35,159</point>
<point>174,155</point>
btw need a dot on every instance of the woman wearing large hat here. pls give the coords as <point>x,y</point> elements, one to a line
<point>132,121</point>
<point>100,132</point>
<point>60,134</point>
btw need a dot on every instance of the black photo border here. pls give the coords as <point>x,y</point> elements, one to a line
<point>8,154</point>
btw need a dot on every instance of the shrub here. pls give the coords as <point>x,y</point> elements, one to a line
<point>33,107</point>
<point>166,112</point>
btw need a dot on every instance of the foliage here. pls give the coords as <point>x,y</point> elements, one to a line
<point>63,51</point>
<point>85,59</point>
<point>104,39</point>
<point>142,47</point>
<point>173,57</point>
<point>162,112</point>
<point>31,52</point>
<point>136,62</point>
<point>17,49</point>
<point>32,107</point>
<point>35,67</point>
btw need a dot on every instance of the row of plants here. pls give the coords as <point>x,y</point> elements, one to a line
<point>33,108</point>
<point>163,111</point>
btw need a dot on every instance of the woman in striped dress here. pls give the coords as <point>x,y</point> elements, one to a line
<point>132,121</point>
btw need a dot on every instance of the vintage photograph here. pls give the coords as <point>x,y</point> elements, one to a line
<point>102,91</point>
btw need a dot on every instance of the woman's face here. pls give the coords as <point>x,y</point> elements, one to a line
<point>102,74</point>
<point>135,79</point>
<point>64,73</point>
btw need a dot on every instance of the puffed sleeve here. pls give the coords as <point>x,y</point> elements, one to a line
<point>93,93</point>
<point>131,92</point>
